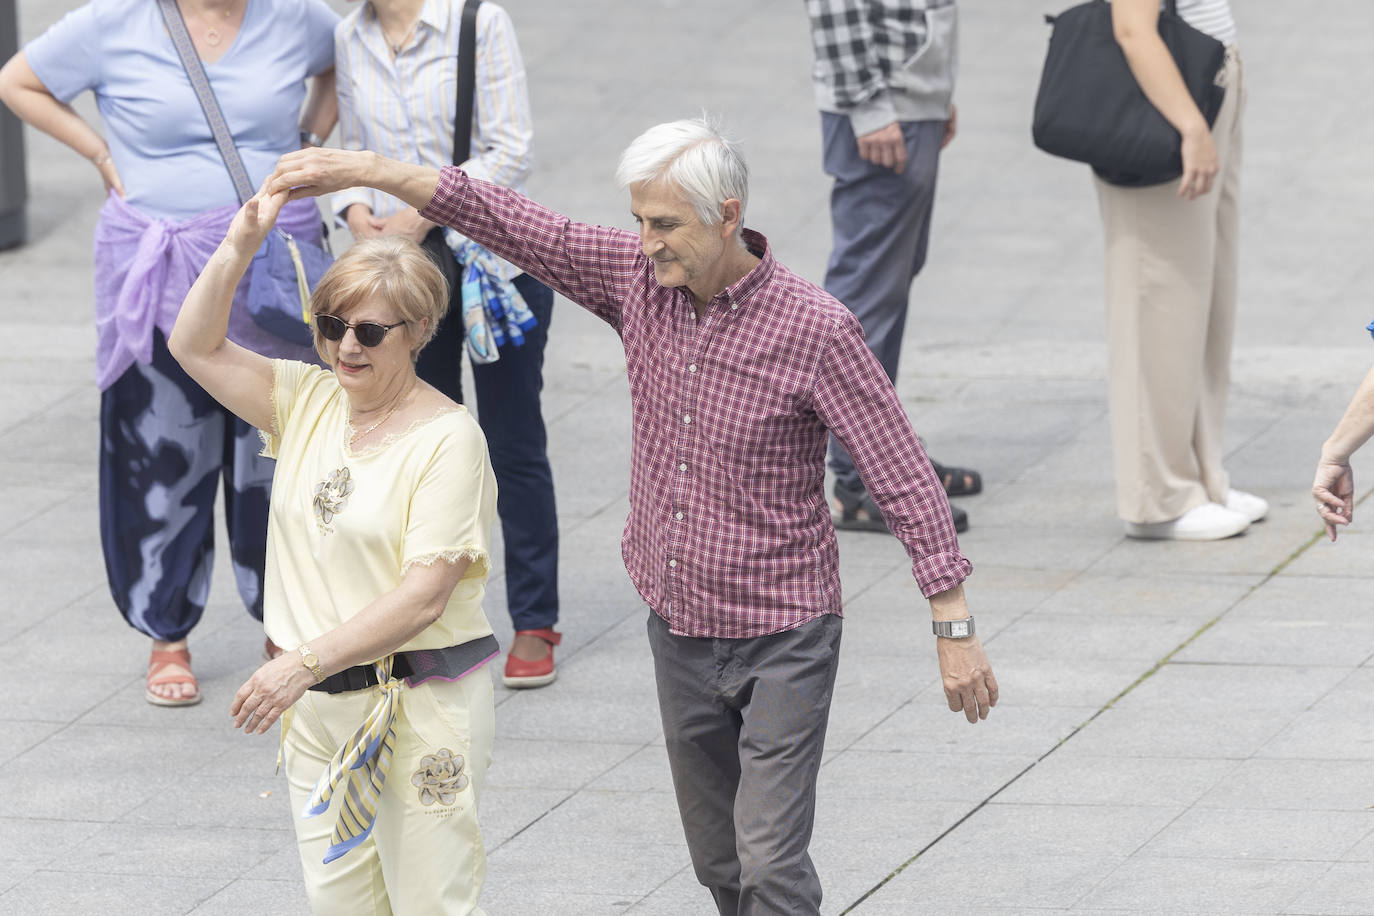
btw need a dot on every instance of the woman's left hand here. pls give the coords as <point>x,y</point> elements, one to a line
<point>407,223</point>
<point>1200,163</point>
<point>255,219</point>
<point>271,691</point>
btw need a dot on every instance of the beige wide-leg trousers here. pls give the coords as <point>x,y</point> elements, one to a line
<point>1171,305</point>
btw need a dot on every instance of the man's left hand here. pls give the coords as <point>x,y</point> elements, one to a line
<point>318,170</point>
<point>885,146</point>
<point>967,677</point>
<point>951,126</point>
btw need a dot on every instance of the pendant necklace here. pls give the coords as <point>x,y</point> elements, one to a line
<point>212,36</point>
<point>353,440</point>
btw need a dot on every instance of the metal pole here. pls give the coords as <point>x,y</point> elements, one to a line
<point>13,184</point>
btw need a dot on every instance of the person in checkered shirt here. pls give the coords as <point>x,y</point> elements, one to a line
<point>739,370</point>
<point>884,80</point>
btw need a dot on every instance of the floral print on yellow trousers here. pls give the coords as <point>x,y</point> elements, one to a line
<point>425,852</point>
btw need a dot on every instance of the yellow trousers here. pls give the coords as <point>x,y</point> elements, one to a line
<point>425,854</point>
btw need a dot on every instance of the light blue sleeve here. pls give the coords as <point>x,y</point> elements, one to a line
<point>320,21</point>
<point>67,58</point>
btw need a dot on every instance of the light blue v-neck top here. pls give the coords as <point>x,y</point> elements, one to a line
<point>158,136</point>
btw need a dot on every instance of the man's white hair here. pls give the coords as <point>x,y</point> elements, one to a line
<point>694,156</point>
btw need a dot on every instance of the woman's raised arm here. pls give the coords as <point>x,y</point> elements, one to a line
<point>237,377</point>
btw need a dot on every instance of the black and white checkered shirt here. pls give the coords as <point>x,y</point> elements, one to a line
<point>860,43</point>
<point>868,49</point>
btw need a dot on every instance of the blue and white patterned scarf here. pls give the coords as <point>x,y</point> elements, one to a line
<point>494,312</point>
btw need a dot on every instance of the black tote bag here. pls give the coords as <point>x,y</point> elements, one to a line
<point>1089,107</point>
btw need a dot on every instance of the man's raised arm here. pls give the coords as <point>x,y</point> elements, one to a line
<point>591,265</point>
<point>322,170</point>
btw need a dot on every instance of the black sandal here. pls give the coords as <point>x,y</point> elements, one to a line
<point>958,481</point>
<point>857,512</point>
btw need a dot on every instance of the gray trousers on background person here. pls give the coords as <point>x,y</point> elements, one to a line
<point>880,224</point>
<point>744,722</point>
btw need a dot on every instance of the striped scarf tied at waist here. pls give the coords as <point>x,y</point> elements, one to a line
<point>364,760</point>
<point>494,312</point>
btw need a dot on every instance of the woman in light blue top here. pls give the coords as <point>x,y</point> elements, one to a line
<point>164,441</point>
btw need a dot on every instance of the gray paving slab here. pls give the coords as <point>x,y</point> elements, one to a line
<point>1214,885</point>
<point>1070,777</point>
<point>1235,779</point>
<point>1248,833</point>
<point>1019,882</point>
<point>1308,785</point>
<point>1345,888</point>
<point>267,898</point>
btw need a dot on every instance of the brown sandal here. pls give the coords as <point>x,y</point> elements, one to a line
<point>170,666</point>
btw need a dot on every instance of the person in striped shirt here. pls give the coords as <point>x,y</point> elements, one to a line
<point>397,66</point>
<point>739,370</point>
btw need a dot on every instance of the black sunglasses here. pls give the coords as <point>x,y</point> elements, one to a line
<point>368,333</point>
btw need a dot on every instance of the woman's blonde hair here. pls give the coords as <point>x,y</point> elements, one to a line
<point>394,270</point>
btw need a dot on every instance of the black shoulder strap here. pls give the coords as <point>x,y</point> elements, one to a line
<point>467,83</point>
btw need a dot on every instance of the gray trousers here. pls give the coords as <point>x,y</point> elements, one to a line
<point>744,722</point>
<point>880,225</point>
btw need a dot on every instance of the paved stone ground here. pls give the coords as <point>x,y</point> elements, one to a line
<point>1184,728</point>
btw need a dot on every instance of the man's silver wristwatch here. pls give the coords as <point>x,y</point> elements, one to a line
<point>311,139</point>
<point>953,629</point>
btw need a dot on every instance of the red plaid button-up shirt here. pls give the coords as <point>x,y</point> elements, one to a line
<point>729,531</point>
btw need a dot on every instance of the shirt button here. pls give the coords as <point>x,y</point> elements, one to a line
<point>673,563</point>
<point>692,367</point>
<point>686,418</point>
<point>682,467</point>
<point>679,516</point>
<point>733,306</point>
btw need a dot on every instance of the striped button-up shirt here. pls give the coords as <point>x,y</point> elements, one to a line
<point>729,532</point>
<point>402,106</point>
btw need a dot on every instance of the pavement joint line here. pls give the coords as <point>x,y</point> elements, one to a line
<point>1167,659</point>
<point>664,883</point>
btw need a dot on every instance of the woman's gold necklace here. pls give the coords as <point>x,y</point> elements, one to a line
<point>212,36</point>
<point>356,437</point>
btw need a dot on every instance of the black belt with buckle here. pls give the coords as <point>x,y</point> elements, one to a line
<point>449,663</point>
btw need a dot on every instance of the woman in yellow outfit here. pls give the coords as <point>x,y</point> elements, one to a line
<point>377,557</point>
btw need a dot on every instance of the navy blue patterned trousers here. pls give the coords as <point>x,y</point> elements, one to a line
<point>164,446</point>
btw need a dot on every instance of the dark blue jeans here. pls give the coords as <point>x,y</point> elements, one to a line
<point>508,408</point>
<point>880,222</point>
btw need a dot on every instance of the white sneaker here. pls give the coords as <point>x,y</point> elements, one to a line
<point>1247,504</point>
<point>1207,522</point>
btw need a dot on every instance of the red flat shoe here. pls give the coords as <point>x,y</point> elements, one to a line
<point>521,674</point>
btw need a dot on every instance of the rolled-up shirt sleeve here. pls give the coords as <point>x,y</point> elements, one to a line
<point>855,400</point>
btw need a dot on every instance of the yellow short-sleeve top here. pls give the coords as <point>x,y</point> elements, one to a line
<point>344,526</point>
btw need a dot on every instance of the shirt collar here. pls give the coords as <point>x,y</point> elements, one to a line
<point>435,14</point>
<point>751,282</point>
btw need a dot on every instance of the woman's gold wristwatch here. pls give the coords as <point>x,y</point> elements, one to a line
<point>311,661</point>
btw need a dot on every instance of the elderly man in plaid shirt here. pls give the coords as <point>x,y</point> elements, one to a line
<point>738,371</point>
<point>884,79</point>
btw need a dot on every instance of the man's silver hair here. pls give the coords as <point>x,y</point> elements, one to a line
<point>694,156</point>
